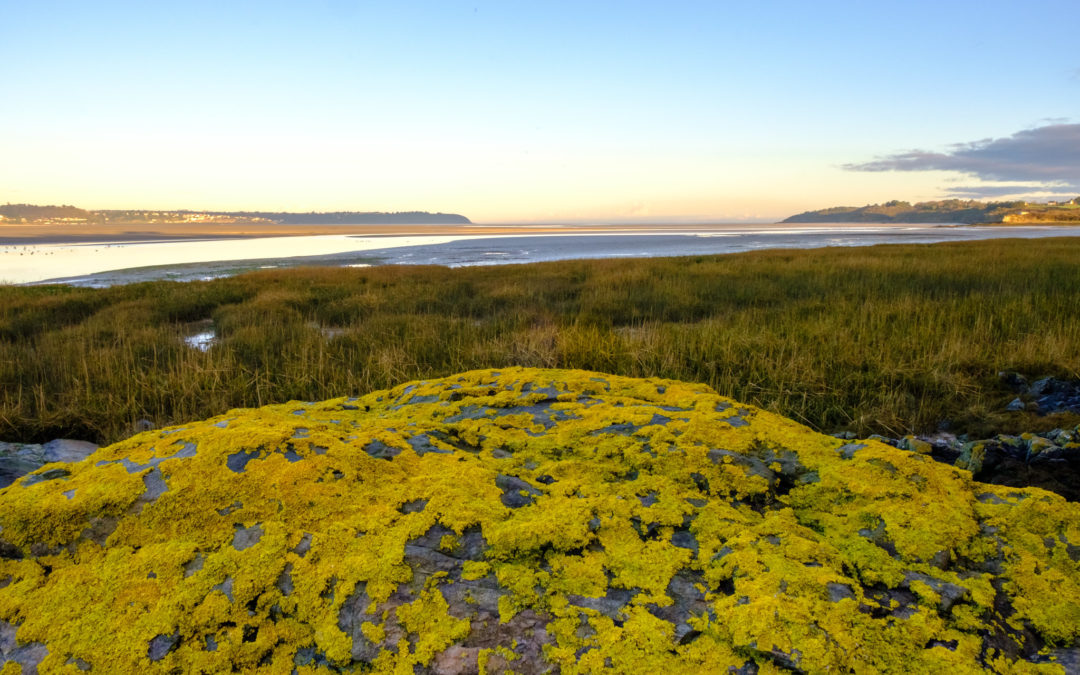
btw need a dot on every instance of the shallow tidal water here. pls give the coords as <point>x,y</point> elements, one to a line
<point>121,262</point>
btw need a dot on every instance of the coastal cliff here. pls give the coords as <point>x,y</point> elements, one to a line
<point>531,521</point>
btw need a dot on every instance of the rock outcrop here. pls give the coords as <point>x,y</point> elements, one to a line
<point>1049,460</point>
<point>534,521</point>
<point>17,459</point>
<point>1045,396</point>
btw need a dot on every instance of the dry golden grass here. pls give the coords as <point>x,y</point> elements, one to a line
<point>884,339</point>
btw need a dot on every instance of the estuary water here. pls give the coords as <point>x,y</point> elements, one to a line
<point>120,262</point>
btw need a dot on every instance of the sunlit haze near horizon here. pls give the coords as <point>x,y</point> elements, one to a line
<point>530,112</point>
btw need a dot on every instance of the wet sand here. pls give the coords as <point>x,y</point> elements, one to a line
<point>28,235</point>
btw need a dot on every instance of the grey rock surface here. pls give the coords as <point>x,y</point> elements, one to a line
<point>18,459</point>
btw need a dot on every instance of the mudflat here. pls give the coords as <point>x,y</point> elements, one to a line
<point>26,235</point>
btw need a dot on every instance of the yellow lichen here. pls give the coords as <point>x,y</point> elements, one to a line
<point>472,570</point>
<point>645,525</point>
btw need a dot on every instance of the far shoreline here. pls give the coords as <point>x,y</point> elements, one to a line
<point>38,235</point>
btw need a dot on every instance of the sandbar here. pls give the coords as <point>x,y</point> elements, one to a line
<point>29,235</point>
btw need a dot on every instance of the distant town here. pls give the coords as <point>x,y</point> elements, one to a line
<point>30,214</point>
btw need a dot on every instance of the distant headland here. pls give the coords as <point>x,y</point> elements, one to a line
<point>30,214</point>
<point>947,211</point>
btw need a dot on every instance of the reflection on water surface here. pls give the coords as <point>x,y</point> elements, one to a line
<point>119,263</point>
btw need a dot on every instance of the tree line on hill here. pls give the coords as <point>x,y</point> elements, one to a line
<point>32,213</point>
<point>945,211</point>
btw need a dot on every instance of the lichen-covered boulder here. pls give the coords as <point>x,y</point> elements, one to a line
<point>534,521</point>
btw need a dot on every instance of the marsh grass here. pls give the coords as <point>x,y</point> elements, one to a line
<point>886,339</point>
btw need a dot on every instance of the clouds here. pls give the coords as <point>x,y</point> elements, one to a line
<point>1045,158</point>
<point>1029,190</point>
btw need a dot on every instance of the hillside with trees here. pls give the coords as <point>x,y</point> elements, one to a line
<point>30,214</point>
<point>958,211</point>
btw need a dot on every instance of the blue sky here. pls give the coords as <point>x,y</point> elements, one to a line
<point>515,111</point>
